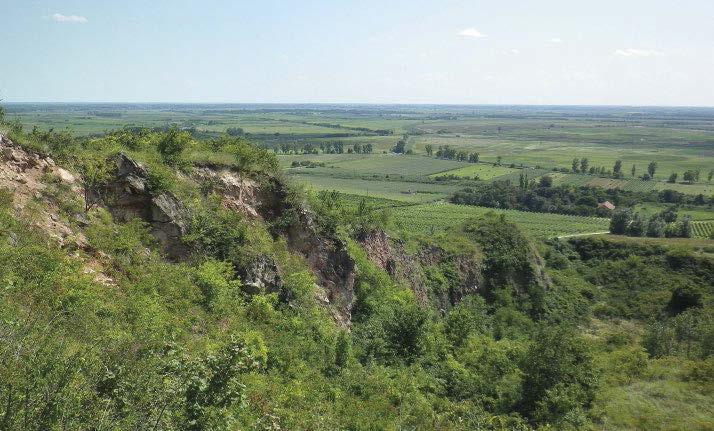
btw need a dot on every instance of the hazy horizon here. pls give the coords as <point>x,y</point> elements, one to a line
<point>9,103</point>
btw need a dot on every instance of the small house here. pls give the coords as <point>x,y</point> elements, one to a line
<point>607,205</point>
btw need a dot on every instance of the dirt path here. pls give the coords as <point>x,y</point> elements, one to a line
<point>583,234</point>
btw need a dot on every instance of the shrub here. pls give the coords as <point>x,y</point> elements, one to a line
<point>560,377</point>
<point>172,144</point>
<point>217,282</point>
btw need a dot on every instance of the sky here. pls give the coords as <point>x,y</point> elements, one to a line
<point>594,52</point>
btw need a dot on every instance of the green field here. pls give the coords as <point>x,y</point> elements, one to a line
<point>395,190</point>
<point>429,218</point>
<point>481,170</point>
<point>393,164</point>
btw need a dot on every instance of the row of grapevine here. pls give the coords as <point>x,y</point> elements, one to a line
<point>428,218</point>
<point>702,229</point>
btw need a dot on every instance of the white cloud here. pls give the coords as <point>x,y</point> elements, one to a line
<point>515,51</point>
<point>637,52</point>
<point>556,40</point>
<point>69,18</point>
<point>471,32</point>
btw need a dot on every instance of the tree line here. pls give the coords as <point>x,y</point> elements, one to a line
<point>660,225</point>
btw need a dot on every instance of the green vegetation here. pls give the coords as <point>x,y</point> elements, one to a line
<point>480,171</point>
<point>428,218</point>
<point>367,301</point>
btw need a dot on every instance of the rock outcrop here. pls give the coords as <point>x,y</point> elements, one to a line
<point>411,269</point>
<point>269,200</point>
<point>128,195</point>
<point>24,173</point>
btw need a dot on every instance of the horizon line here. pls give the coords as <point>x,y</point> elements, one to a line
<point>603,105</point>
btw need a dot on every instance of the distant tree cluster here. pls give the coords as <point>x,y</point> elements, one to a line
<point>235,131</point>
<point>306,164</point>
<point>583,166</point>
<point>660,225</point>
<point>449,153</point>
<point>401,146</point>
<point>538,196</point>
<point>690,176</point>
<point>361,149</point>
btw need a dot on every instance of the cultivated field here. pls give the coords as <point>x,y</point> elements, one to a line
<point>429,218</point>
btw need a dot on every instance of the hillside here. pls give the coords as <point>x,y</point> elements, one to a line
<point>155,279</point>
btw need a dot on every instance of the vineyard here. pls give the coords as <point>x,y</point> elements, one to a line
<point>481,170</point>
<point>396,164</point>
<point>702,229</point>
<point>395,190</point>
<point>433,217</point>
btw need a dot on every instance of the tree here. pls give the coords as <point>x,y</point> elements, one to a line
<point>545,181</point>
<point>633,170</point>
<point>637,226</point>
<point>690,176</point>
<point>498,161</point>
<point>669,214</point>
<point>617,169</point>
<point>473,157</point>
<point>94,171</point>
<point>620,221</point>
<point>584,165</point>
<point>652,168</point>
<point>235,131</point>
<point>685,229</point>
<point>672,178</point>
<point>560,377</point>
<point>429,149</point>
<point>656,227</point>
<point>172,144</point>
<point>711,174</point>
<point>400,146</point>
<point>575,165</point>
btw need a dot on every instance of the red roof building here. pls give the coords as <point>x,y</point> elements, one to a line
<point>606,205</point>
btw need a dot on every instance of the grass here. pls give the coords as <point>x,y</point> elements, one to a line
<point>660,401</point>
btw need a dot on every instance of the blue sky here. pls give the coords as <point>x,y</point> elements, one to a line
<point>633,52</point>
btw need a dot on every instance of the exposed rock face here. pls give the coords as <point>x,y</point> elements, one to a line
<point>127,195</point>
<point>391,256</point>
<point>467,269</point>
<point>268,200</point>
<point>261,275</point>
<point>24,172</point>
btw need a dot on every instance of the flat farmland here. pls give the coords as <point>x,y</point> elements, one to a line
<point>481,170</point>
<point>549,154</point>
<point>394,190</point>
<point>433,217</point>
<point>396,164</point>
